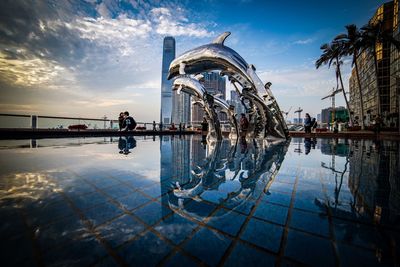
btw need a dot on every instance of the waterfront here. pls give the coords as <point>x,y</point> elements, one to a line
<point>178,202</point>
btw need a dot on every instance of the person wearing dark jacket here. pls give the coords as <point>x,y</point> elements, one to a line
<point>307,123</point>
<point>129,123</point>
<point>120,120</point>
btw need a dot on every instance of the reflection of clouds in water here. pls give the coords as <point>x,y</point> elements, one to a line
<point>144,159</point>
<point>27,187</point>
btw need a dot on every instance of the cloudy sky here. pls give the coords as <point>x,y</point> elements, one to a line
<point>94,58</point>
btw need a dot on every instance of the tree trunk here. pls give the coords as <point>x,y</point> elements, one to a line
<point>360,93</point>
<point>344,92</point>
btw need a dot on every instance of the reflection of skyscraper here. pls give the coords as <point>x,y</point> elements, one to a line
<point>165,168</point>
<point>235,101</point>
<point>181,160</point>
<point>166,91</point>
<point>214,84</point>
<point>373,176</point>
<point>198,152</point>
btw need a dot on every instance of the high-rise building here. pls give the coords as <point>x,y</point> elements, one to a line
<point>166,85</point>
<point>180,107</point>
<point>395,71</point>
<point>378,87</point>
<point>341,114</point>
<point>214,84</point>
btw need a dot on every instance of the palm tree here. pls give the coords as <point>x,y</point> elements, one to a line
<point>332,53</point>
<point>351,45</point>
<point>373,34</point>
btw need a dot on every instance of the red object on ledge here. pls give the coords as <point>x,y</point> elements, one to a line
<point>77,127</point>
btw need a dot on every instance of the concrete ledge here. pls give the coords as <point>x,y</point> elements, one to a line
<point>350,135</point>
<point>15,133</point>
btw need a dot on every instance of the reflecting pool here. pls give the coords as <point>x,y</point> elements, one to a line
<point>178,201</point>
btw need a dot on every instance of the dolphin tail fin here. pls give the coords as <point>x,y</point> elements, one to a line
<point>221,38</point>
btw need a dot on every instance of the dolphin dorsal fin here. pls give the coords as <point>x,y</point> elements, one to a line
<point>221,38</point>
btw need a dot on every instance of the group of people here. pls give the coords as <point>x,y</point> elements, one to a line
<point>126,122</point>
<point>309,123</point>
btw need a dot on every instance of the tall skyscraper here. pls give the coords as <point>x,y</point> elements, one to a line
<point>166,85</point>
<point>180,108</point>
<point>379,88</point>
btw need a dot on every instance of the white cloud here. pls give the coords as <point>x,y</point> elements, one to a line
<point>111,63</point>
<point>304,41</point>
<point>176,25</point>
<point>30,71</point>
<point>303,86</point>
<point>160,11</point>
<point>119,33</point>
<point>304,81</point>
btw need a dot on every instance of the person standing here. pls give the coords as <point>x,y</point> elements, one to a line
<point>154,126</point>
<point>335,126</point>
<point>129,123</point>
<point>314,124</point>
<point>120,120</point>
<point>307,123</point>
<point>378,123</point>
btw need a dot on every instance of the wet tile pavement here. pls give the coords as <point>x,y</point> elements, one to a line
<point>114,219</point>
<point>124,225</point>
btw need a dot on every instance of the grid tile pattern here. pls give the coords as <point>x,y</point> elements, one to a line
<point>120,219</point>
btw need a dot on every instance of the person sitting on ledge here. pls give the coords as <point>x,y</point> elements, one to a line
<point>129,124</point>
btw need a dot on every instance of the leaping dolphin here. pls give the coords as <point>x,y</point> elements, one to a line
<point>193,87</point>
<point>217,56</point>
<point>214,56</point>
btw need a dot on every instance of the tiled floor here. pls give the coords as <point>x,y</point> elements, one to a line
<point>119,218</point>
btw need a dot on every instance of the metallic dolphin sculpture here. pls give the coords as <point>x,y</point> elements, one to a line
<point>268,119</point>
<point>193,87</point>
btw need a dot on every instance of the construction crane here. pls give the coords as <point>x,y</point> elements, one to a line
<point>332,96</point>
<point>299,111</point>
<point>286,113</point>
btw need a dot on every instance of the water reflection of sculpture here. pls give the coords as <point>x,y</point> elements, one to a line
<point>265,116</point>
<point>228,177</point>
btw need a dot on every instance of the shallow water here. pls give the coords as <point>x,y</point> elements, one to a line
<point>179,202</point>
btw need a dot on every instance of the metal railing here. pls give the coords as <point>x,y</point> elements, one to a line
<point>16,121</point>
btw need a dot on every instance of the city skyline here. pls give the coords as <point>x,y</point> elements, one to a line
<point>91,59</point>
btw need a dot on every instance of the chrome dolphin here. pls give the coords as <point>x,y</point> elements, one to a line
<point>268,120</point>
<point>193,87</point>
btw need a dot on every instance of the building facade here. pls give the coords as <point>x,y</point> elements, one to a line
<point>180,108</point>
<point>215,85</point>
<point>395,71</point>
<point>379,88</point>
<point>341,114</point>
<point>236,102</point>
<point>166,85</point>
